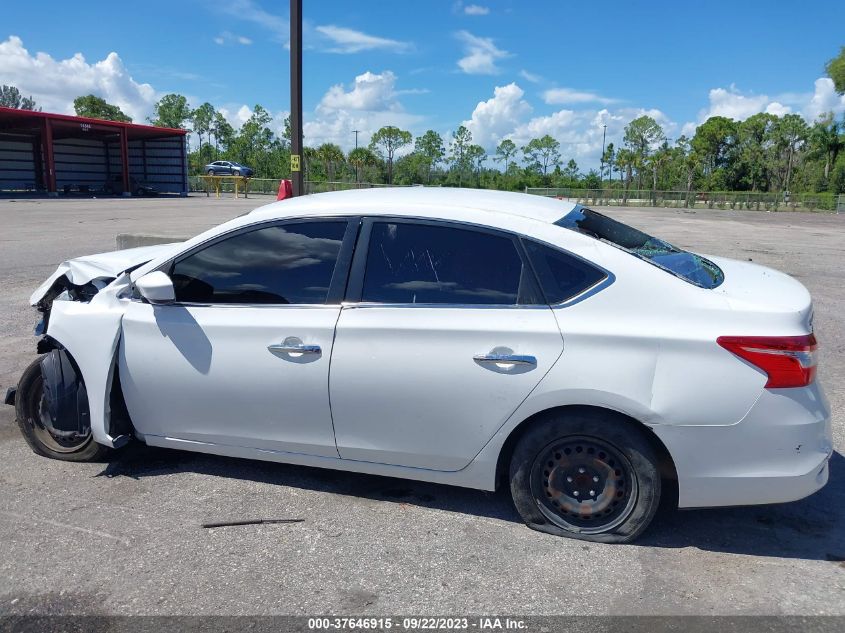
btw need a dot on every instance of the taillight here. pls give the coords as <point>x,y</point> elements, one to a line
<point>789,361</point>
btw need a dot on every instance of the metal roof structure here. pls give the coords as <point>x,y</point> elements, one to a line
<point>43,151</point>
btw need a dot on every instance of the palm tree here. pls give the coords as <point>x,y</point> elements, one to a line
<point>361,157</point>
<point>826,141</point>
<point>330,154</point>
<point>625,159</point>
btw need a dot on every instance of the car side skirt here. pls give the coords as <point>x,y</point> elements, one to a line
<point>480,474</point>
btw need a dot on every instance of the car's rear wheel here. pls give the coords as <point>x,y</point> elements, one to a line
<point>210,172</point>
<point>33,420</point>
<point>586,474</point>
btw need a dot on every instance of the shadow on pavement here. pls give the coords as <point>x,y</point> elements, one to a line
<point>138,461</point>
<point>811,529</point>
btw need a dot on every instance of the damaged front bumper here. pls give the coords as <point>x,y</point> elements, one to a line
<point>82,311</point>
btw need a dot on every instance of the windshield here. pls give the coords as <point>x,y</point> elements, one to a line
<point>688,266</point>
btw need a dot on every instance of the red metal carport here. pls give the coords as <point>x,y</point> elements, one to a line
<point>44,152</point>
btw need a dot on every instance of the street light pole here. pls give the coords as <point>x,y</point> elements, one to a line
<point>297,179</point>
<point>357,168</point>
<point>603,136</point>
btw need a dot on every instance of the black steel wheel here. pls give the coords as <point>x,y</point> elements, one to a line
<point>32,418</point>
<point>583,483</point>
<point>586,474</point>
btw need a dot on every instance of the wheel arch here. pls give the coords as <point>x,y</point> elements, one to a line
<point>668,470</point>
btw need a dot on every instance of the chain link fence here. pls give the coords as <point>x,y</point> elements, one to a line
<point>270,186</point>
<point>817,202</point>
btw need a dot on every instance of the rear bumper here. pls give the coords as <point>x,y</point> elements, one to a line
<point>778,452</point>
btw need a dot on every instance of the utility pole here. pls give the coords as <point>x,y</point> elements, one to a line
<point>603,136</point>
<point>298,181</point>
<point>357,170</point>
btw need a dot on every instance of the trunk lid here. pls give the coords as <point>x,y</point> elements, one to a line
<point>783,303</point>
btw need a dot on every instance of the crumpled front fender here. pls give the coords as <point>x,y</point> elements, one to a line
<point>103,266</point>
<point>90,332</point>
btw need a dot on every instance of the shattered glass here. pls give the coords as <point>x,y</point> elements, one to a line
<point>690,267</point>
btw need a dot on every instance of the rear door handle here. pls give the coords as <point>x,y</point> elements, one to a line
<point>300,348</point>
<point>505,359</point>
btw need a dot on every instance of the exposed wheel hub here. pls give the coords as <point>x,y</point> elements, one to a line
<point>583,484</point>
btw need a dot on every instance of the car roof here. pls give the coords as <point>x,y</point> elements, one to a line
<point>425,201</point>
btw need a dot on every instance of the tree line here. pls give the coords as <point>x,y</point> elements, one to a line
<point>763,153</point>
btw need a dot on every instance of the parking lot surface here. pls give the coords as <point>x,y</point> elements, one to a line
<point>125,537</point>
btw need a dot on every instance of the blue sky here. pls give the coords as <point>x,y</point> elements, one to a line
<point>504,68</point>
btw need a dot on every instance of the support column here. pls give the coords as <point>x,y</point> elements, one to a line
<point>297,180</point>
<point>184,155</point>
<point>49,162</point>
<point>124,157</point>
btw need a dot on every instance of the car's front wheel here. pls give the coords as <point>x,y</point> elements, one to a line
<point>586,474</point>
<point>33,420</point>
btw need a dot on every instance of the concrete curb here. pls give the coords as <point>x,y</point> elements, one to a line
<point>133,240</point>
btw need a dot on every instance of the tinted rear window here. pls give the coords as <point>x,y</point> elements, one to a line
<point>688,266</point>
<point>424,263</point>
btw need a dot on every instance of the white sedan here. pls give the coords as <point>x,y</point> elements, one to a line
<point>463,337</point>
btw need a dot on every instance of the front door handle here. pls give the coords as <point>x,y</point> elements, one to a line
<point>299,348</point>
<point>505,359</point>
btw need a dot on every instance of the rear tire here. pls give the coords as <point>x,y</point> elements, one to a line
<point>586,474</point>
<point>28,411</point>
<point>210,172</point>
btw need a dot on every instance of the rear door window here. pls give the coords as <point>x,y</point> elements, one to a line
<point>442,264</point>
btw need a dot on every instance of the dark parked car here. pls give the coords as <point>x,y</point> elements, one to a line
<point>115,185</point>
<point>227,168</point>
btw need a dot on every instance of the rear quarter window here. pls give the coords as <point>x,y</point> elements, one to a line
<point>562,276</point>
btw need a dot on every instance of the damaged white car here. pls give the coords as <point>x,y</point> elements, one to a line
<point>464,337</point>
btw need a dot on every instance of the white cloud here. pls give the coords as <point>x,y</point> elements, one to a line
<point>476,9</point>
<point>508,115</point>
<point>368,103</point>
<point>567,96</point>
<point>732,103</point>
<point>250,11</point>
<point>480,54</point>
<point>580,132</point>
<point>226,37</point>
<point>54,84</point>
<point>495,118</point>
<point>350,41</point>
<point>824,99</point>
<point>527,76</point>
<point>369,91</point>
<point>235,114</point>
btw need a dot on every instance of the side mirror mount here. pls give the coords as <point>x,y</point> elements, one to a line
<point>157,288</point>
